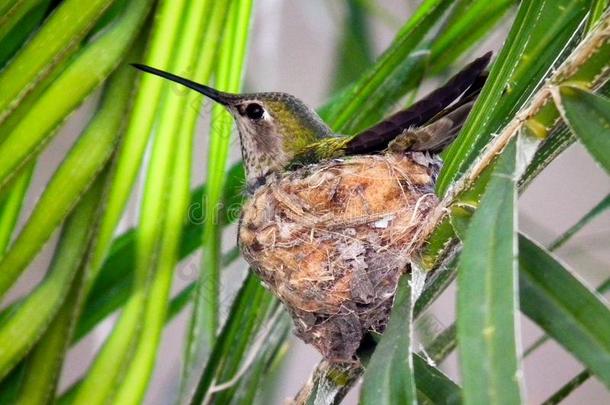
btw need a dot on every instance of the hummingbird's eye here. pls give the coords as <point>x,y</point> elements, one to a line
<point>254,111</point>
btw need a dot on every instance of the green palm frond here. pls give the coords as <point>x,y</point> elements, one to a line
<point>547,89</point>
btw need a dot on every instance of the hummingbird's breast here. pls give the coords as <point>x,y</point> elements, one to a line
<point>330,240</point>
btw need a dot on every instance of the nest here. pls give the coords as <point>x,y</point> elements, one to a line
<point>330,240</point>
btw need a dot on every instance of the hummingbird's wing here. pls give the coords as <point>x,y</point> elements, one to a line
<point>451,101</point>
<point>434,136</point>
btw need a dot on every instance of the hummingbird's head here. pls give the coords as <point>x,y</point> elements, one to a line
<point>273,127</point>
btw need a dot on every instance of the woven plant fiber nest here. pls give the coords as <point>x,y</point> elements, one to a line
<point>330,240</point>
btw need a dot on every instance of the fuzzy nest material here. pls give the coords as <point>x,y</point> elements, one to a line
<point>331,240</point>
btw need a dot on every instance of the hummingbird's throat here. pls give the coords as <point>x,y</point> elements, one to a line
<point>262,157</point>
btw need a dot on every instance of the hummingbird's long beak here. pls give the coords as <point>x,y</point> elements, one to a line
<point>215,95</point>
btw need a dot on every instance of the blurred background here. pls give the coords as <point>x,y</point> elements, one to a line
<point>293,47</point>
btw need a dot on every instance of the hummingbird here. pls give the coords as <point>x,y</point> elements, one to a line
<point>331,220</point>
<point>279,132</point>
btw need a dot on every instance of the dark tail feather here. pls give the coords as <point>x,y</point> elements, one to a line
<point>468,97</point>
<point>467,84</point>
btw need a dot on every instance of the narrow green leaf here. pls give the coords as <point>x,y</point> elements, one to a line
<point>83,75</point>
<point>100,383</point>
<point>557,243</point>
<point>589,70</point>
<point>10,385</point>
<point>468,23</point>
<point>102,378</point>
<point>110,14</point>
<point>329,383</point>
<point>265,366</point>
<point>443,344</point>
<point>31,99</point>
<point>231,61</point>
<point>601,289</point>
<point>161,223</point>
<point>435,285</point>
<point>14,194</point>
<point>487,289</point>
<point>559,139</point>
<point>569,312</point>
<point>388,378</point>
<point>54,42</point>
<point>253,339</point>
<point>588,115</point>
<point>568,388</point>
<point>390,67</point>
<point>76,173</point>
<point>13,16</point>
<point>114,283</point>
<point>207,63</point>
<point>47,355</point>
<point>10,206</point>
<point>25,325</point>
<point>146,100</point>
<point>42,368</point>
<point>433,386</point>
<point>541,31</point>
<point>587,67</point>
<point>460,219</point>
<point>44,363</point>
<point>21,31</point>
<point>247,312</point>
<point>599,208</point>
<point>354,50</point>
<point>556,143</point>
<point>479,118</point>
<point>597,10</point>
<point>6,5</point>
<point>405,77</point>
